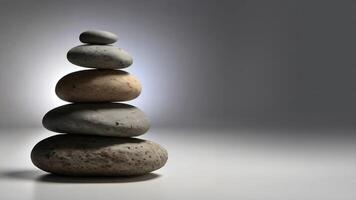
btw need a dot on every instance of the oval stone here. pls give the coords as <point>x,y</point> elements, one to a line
<point>98,86</point>
<point>99,56</point>
<point>105,119</point>
<point>98,37</point>
<point>79,155</point>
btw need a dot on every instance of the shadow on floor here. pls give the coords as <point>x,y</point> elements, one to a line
<point>36,175</point>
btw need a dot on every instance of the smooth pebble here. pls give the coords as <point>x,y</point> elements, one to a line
<point>98,86</point>
<point>99,56</point>
<point>98,37</point>
<point>105,119</point>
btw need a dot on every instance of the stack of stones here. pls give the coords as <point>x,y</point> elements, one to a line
<point>97,139</point>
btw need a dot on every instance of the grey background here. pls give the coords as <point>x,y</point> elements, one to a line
<point>252,99</point>
<point>252,63</point>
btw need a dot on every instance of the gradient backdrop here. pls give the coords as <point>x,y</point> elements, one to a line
<point>253,99</point>
<point>248,63</point>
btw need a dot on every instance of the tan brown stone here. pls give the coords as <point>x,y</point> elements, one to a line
<point>98,86</point>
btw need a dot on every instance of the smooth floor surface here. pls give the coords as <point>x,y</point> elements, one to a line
<point>203,164</point>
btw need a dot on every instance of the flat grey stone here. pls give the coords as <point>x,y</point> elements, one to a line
<point>79,155</point>
<point>99,56</point>
<point>97,37</point>
<point>105,119</point>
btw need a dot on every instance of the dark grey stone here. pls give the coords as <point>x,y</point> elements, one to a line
<point>106,119</point>
<point>99,56</point>
<point>97,37</point>
<point>79,155</point>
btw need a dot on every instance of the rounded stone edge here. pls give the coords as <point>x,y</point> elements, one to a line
<point>35,162</point>
<point>83,37</point>
<point>71,59</point>
<point>57,86</point>
<point>46,120</point>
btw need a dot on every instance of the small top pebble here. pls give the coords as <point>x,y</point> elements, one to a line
<point>98,37</point>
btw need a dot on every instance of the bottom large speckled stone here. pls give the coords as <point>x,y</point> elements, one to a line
<point>84,155</point>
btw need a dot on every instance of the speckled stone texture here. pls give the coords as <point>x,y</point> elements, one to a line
<point>106,119</point>
<point>79,155</point>
<point>98,86</point>
<point>98,37</point>
<point>99,56</point>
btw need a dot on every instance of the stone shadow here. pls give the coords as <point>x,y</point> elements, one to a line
<point>39,176</point>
